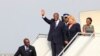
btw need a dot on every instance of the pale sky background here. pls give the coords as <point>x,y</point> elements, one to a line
<point>21,18</point>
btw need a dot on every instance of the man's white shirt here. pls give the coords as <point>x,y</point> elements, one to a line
<point>57,22</point>
<point>26,48</point>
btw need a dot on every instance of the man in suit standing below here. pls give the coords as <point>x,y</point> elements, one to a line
<point>57,33</point>
<point>26,49</point>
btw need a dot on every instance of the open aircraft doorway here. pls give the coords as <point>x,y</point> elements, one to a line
<point>95,15</point>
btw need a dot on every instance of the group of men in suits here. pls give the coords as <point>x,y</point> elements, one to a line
<point>57,37</point>
<point>57,33</point>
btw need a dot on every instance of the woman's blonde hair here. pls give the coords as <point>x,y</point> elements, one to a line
<point>72,18</point>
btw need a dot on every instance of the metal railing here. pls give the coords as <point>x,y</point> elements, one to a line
<point>38,37</point>
<point>42,36</point>
<point>72,40</point>
<point>79,33</point>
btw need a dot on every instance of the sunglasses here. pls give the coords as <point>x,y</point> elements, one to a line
<point>65,17</point>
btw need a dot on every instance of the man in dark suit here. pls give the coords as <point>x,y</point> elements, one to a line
<point>26,49</point>
<point>65,20</point>
<point>57,33</point>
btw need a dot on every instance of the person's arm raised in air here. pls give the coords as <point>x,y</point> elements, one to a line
<point>44,17</point>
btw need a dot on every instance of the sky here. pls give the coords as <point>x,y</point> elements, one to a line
<point>21,18</point>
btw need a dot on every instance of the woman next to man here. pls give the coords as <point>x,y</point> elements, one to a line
<point>72,27</point>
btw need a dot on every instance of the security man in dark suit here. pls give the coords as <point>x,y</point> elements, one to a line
<point>57,33</point>
<point>26,49</point>
<point>65,20</point>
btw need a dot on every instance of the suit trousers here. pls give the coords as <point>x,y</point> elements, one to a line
<point>56,48</point>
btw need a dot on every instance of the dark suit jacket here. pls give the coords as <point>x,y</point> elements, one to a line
<point>73,30</point>
<point>58,34</point>
<point>21,51</point>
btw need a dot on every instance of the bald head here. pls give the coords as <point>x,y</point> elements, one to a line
<point>26,42</point>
